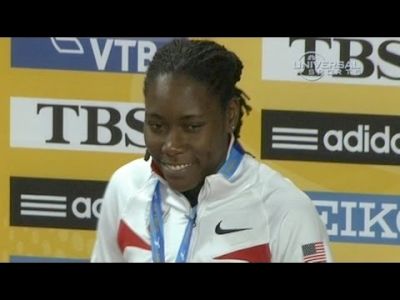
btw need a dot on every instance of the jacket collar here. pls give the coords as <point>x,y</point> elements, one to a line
<point>233,159</point>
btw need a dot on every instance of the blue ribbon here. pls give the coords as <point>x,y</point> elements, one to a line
<point>157,230</point>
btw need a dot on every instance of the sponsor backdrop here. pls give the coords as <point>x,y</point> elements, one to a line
<point>325,114</point>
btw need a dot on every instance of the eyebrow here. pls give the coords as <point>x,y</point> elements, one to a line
<point>153,115</point>
<point>185,117</point>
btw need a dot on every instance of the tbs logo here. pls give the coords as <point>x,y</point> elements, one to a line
<point>354,58</point>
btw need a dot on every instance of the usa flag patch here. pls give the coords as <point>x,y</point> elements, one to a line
<point>314,252</point>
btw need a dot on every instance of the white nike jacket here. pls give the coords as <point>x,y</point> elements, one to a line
<point>245,213</point>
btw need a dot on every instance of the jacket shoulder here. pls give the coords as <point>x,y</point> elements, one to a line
<point>134,172</point>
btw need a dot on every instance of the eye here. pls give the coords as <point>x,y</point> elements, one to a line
<point>194,127</point>
<point>155,126</point>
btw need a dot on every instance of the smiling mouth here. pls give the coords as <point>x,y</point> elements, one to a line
<point>175,167</point>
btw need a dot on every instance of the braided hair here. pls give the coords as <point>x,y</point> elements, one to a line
<point>207,62</point>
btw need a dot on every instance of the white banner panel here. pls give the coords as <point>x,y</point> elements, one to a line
<point>373,61</point>
<point>82,125</point>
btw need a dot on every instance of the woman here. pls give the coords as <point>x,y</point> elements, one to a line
<point>197,195</point>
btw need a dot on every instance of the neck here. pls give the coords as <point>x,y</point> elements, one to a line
<point>193,194</point>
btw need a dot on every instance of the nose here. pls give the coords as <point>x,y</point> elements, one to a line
<point>173,143</point>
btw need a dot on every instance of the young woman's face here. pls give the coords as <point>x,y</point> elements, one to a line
<point>186,130</point>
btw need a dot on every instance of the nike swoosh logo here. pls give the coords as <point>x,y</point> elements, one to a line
<point>219,230</point>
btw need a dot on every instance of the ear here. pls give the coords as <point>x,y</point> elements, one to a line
<point>147,155</point>
<point>232,115</point>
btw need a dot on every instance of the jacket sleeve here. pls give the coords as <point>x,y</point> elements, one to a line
<point>298,233</point>
<point>106,247</point>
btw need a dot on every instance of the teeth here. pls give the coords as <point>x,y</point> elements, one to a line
<point>177,167</point>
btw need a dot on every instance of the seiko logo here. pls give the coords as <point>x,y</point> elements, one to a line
<point>360,218</point>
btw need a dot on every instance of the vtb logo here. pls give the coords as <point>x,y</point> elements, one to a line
<point>131,55</point>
